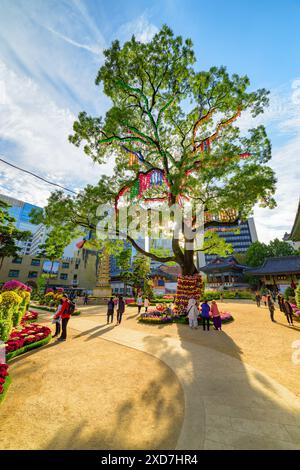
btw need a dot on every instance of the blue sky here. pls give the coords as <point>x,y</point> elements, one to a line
<point>50,51</point>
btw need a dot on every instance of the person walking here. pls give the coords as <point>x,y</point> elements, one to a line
<point>120,310</point>
<point>288,312</point>
<point>192,313</point>
<point>216,315</point>
<point>86,299</point>
<point>257,298</point>
<point>271,307</point>
<point>110,310</point>
<point>205,309</point>
<point>65,313</point>
<point>264,299</point>
<point>280,301</point>
<point>139,303</point>
<point>56,319</point>
<point>146,304</point>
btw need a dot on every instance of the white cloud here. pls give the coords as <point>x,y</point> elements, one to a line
<point>94,49</point>
<point>140,27</point>
<point>283,119</point>
<point>38,129</point>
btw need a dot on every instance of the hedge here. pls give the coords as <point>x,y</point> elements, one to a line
<point>5,388</point>
<point>28,347</point>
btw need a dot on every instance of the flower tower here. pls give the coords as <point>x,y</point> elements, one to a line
<point>103,288</point>
<point>188,287</point>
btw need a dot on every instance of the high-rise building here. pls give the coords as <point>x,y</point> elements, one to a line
<point>240,237</point>
<point>20,211</point>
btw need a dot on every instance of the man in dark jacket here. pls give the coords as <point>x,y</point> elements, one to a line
<point>120,311</point>
<point>110,310</point>
<point>288,312</point>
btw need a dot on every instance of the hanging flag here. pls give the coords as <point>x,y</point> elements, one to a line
<point>80,244</point>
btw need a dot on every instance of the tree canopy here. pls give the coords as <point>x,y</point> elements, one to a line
<point>169,118</point>
<point>258,252</point>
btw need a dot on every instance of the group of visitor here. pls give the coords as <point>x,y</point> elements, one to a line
<point>140,303</point>
<point>206,312</point>
<point>111,309</point>
<point>269,299</point>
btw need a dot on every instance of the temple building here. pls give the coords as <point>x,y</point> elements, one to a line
<point>225,273</point>
<point>283,271</point>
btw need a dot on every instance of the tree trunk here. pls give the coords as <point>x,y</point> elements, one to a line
<point>189,283</point>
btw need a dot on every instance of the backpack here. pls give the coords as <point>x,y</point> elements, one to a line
<point>71,308</point>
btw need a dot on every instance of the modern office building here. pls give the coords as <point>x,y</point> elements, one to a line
<point>20,211</point>
<point>240,237</point>
<point>76,272</point>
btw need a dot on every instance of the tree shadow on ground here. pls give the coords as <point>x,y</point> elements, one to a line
<point>228,404</point>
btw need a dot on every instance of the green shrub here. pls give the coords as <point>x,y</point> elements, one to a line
<point>5,329</point>
<point>298,296</point>
<point>289,292</point>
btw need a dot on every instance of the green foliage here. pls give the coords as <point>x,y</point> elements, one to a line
<point>298,296</point>
<point>289,293</point>
<point>164,108</point>
<point>5,329</point>
<point>258,252</point>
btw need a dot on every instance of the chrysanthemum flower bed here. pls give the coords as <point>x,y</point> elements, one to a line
<point>296,311</point>
<point>4,380</point>
<point>30,317</point>
<point>163,317</point>
<point>26,337</point>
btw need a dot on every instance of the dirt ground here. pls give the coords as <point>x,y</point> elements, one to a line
<point>251,338</point>
<point>90,393</point>
<point>85,394</point>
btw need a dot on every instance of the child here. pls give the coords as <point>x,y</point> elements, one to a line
<point>216,315</point>
<point>57,320</point>
<point>192,313</point>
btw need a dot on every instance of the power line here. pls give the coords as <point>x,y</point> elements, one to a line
<point>37,176</point>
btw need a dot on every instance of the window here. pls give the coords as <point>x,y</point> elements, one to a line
<point>13,273</point>
<point>32,274</point>
<point>161,282</point>
<point>76,265</point>
<point>63,276</point>
<point>35,262</point>
<point>75,277</point>
<point>17,260</point>
<point>65,265</point>
<point>281,277</point>
<point>268,278</point>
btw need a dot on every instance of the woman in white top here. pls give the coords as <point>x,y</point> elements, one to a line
<point>139,303</point>
<point>57,320</point>
<point>192,313</point>
<point>146,304</point>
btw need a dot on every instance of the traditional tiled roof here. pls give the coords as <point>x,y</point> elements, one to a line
<point>223,264</point>
<point>295,233</point>
<point>278,265</point>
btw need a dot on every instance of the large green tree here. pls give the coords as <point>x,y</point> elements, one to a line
<point>181,121</point>
<point>258,252</point>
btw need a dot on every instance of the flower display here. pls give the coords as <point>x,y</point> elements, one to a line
<point>3,375</point>
<point>29,317</point>
<point>25,335</point>
<point>155,318</point>
<point>188,287</point>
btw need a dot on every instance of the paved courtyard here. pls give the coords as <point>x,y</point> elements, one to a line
<point>162,387</point>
